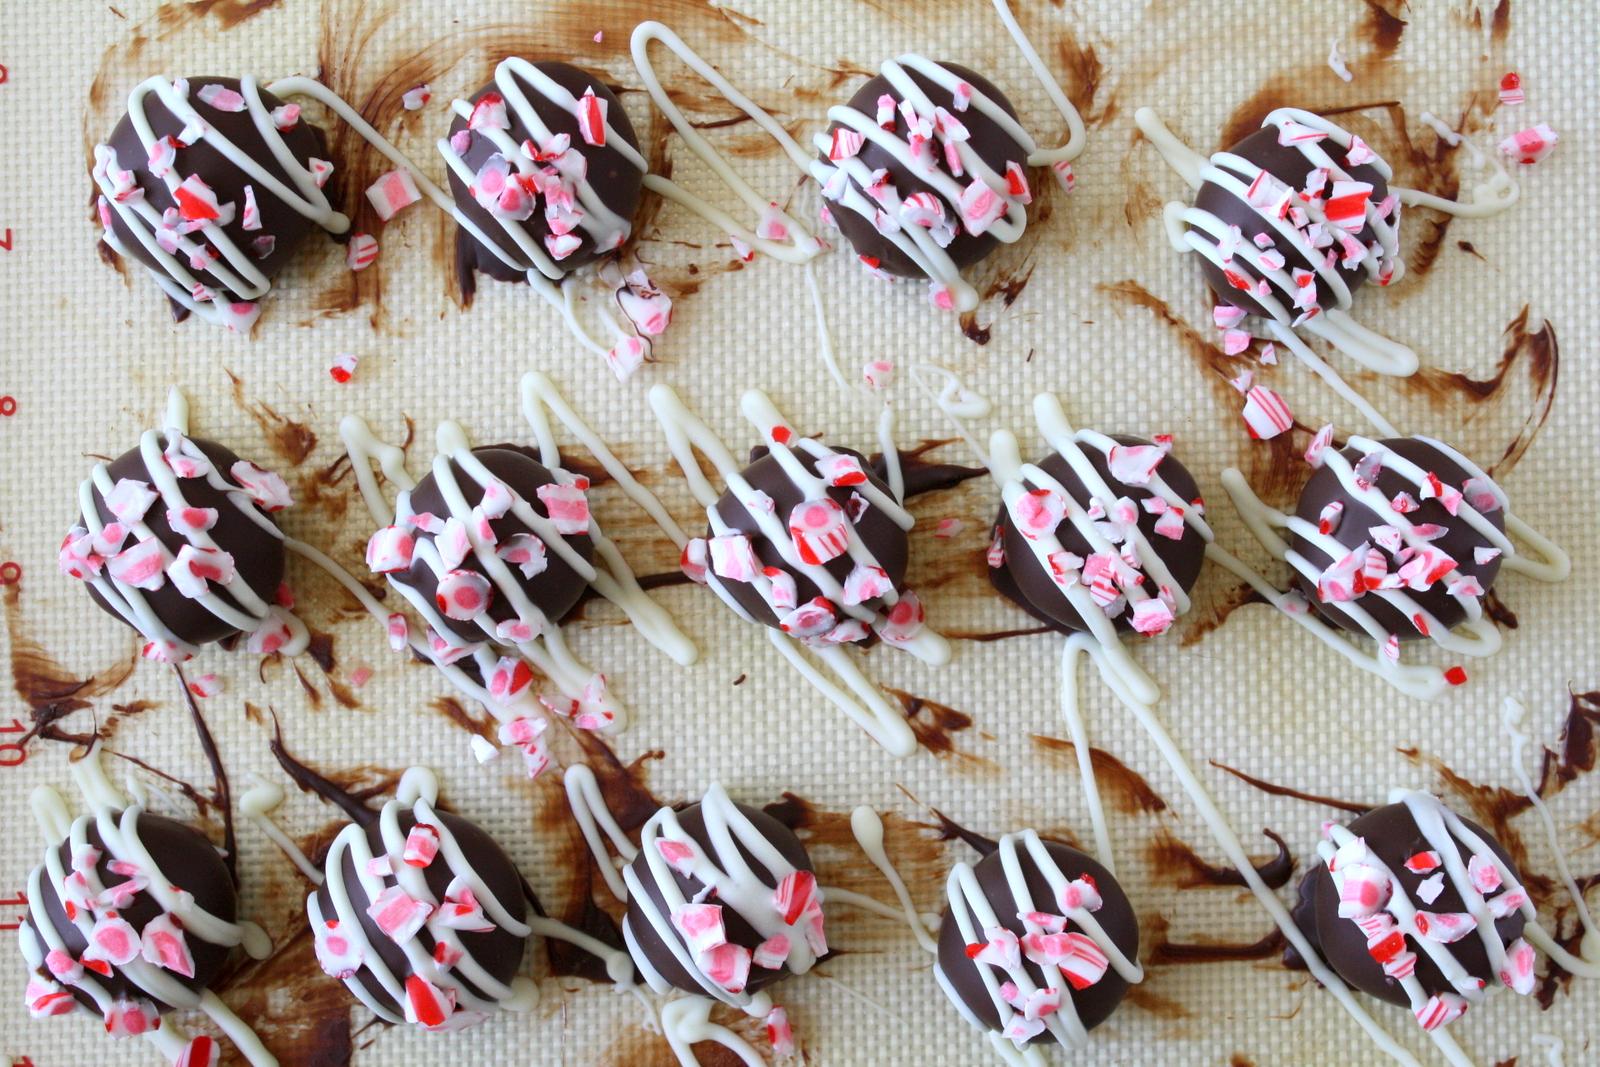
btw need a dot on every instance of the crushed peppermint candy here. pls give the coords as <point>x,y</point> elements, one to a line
<point>1531,145</point>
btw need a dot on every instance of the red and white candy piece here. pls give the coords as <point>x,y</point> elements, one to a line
<point>398,915</point>
<point>1422,862</point>
<point>130,499</point>
<point>344,366</point>
<point>1151,617</point>
<point>1445,927</point>
<point>112,941</point>
<point>201,1051</point>
<point>270,635</point>
<point>461,910</point>
<point>1531,145</point>
<point>415,99</point>
<point>1134,464</point>
<point>1265,413</point>
<point>422,845</point>
<point>904,621</point>
<point>489,113</point>
<point>194,568</point>
<point>1080,893</point>
<point>131,1018</point>
<point>285,117</point>
<point>266,488</point>
<point>980,207</point>
<point>820,530</point>
<point>393,191</point>
<point>1364,890</point>
<point>361,252</point>
<point>728,966</point>
<point>45,998</point>
<point>509,679</point>
<point>427,1005</point>
<point>1038,512</point>
<point>524,550</point>
<point>1484,873</point>
<point>771,953</point>
<point>948,528</point>
<point>782,590</point>
<point>865,582</point>
<point>163,944</point>
<point>878,373</point>
<point>812,619</point>
<point>779,1033</point>
<point>191,521</point>
<point>695,559</point>
<point>700,925</point>
<point>399,631</point>
<point>567,508</point>
<point>733,558</point>
<point>795,895</point>
<point>1002,949</point>
<point>1518,970</point>
<point>840,469</point>
<point>1506,903</point>
<point>463,595</point>
<point>143,565</point>
<point>591,111</point>
<point>1441,1010</point>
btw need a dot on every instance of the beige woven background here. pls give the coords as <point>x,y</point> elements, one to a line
<point>89,357</point>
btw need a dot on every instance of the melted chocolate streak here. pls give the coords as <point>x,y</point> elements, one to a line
<point>309,781</point>
<point>1164,951</point>
<point>223,792</point>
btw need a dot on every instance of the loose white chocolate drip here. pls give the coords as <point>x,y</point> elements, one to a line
<point>1127,681</point>
<point>1443,829</point>
<point>1479,636</point>
<point>1185,226</point>
<point>256,805</point>
<point>117,823</point>
<point>974,914</point>
<point>235,270</point>
<point>1511,720</point>
<point>249,612</point>
<point>418,791</point>
<point>547,650</point>
<point>686,435</point>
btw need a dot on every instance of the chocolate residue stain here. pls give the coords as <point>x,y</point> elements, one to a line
<point>1500,25</point>
<point>1382,26</point>
<point>1470,249</point>
<point>935,725</point>
<point>290,440</point>
<point>343,694</point>
<point>1211,605</point>
<point>1161,1007</point>
<point>452,709</point>
<point>320,649</point>
<point>1535,356</point>
<point>1496,609</point>
<point>1162,950</point>
<point>318,490</point>
<point>288,1000</point>
<point>1005,273</point>
<point>49,690</point>
<point>1578,751</point>
<point>1273,467</point>
<point>1081,74</point>
<point>1173,861</point>
<point>1126,788</point>
<point>1285,791</point>
<point>998,635</point>
<point>950,830</point>
<point>310,690</point>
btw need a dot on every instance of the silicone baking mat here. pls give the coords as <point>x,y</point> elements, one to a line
<point>1093,304</point>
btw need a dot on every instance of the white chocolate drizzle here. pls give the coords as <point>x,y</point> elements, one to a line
<point>417,792</point>
<point>116,821</point>
<point>248,612</point>
<point>235,270</point>
<point>1191,229</point>
<point>687,434</point>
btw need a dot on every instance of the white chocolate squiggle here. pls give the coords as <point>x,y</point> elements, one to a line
<point>116,822</point>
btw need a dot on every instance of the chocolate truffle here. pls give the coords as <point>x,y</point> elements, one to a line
<point>819,528</point>
<point>1427,537</point>
<point>882,192</point>
<point>193,184</point>
<point>421,900</point>
<point>1010,929</point>
<point>531,584</point>
<point>763,923</point>
<point>1389,865</point>
<point>1127,466</point>
<point>541,177</point>
<point>1333,217</point>
<point>177,539</point>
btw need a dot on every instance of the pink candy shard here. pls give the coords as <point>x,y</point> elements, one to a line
<point>779,1032</point>
<point>1441,1010</point>
<point>130,499</point>
<point>733,558</point>
<point>794,895</point>
<point>201,1051</point>
<point>427,1005</point>
<point>422,845</point>
<point>461,910</point>
<point>1484,873</point>
<point>1445,927</point>
<point>266,488</point>
<point>414,99</point>
<point>727,965</point>
<point>399,631</point>
<point>189,521</point>
<point>489,113</point>
<point>1265,413</point>
<point>1134,464</point>
<point>1151,617</point>
<point>591,111</point>
<point>700,925</point>
<point>509,679</point>
<point>820,530</point>
<point>904,621</point>
<point>1365,891</point>
<point>771,953</point>
<point>463,595</point>
<point>112,941</point>
<point>865,582</point>
<point>811,619</point>
<point>1002,949</point>
<point>393,191</point>
<point>695,559</point>
<point>143,565</point>
<point>131,1018</point>
<point>163,944</point>
<point>45,998</point>
<point>361,252</point>
<point>679,855</point>
<point>1531,145</point>
<point>221,98</point>
<point>197,202</point>
<point>840,469</point>
<point>1347,207</point>
<point>398,915</point>
<point>194,568</point>
<point>1518,971</point>
<point>526,551</point>
<point>1038,512</point>
<point>980,207</point>
<point>567,507</point>
<point>285,117</point>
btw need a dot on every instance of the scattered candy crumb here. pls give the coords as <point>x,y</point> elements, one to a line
<point>343,367</point>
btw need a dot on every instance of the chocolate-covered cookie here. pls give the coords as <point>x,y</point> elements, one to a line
<point>214,184</point>
<point>1041,952</point>
<point>1144,555</point>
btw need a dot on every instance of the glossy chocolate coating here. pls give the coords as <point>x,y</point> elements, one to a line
<point>737,930</point>
<point>1026,581</point>
<point>616,180</point>
<point>882,535</point>
<point>1095,1003</point>
<point>498,951</point>
<point>1290,166</point>
<point>993,145</point>
<point>1458,542</point>
<point>553,590</point>
<point>257,554</point>
<point>1391,834</point>
<point>280,221</point>
<point>184,855</point>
